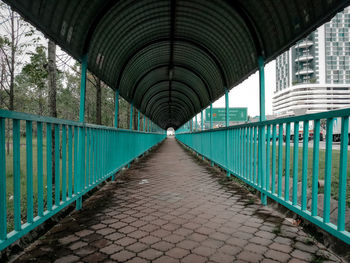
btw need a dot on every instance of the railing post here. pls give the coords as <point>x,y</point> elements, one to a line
<point>227,123</point>
<point>144,123</point>
<point>116,108</point>
<point>116,115</point>
<point>195,119</point>
<point>138,120</point>
<point>202,120</point>
<point>81,137</point>
<point>211,127</point>
<point>131,109</point>
<point>262,148</point>
<point>202,135</point>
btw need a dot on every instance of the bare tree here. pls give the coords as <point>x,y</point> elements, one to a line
<point>98,86</point>
<point>13,44</point>
<point>52,78</point>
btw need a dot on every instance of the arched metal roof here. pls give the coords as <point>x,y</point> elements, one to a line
<point>171,58</point>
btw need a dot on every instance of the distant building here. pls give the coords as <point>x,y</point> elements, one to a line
<point>314,75</point>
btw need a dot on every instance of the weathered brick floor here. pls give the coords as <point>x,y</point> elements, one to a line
<point>171,209</point>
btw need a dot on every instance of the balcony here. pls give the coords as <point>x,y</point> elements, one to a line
<point>305,57</point>
<point>304,71</point>
<point>304,44</point>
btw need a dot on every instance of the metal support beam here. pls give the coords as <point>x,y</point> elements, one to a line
<point>81,136</point>
<point>227,123</point>
<point>138,120</point>
<point>211,127</point>
<point>144,123</point>
<point>202,122</point>
<point>211,115</point>
<point>262,141</point>
<point>131,109</point>
<point>196,127</point>
<point>116,108</point>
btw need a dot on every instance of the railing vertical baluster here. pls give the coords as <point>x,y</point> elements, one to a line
<point>40,161</point>
<point>343,173</point>
<point>328,171</point>
<point>287,163</point>
<point>64,163</point>
<point>239,143</point>
<point>248,148</point>
<point>255,154</point>
<point>17,174</point>
<point>57,165</point>
<point>75,181</point>
<point>251,155</point>
<point>70,161</point>
<point>87,160</point>
<point>273,168</point>
<point>91,181</point>
<point>268,135</point>
<point>304,166</point>
<point>3,210</point>
<point>29,162</point>
<point>280,159</point>
<point>315,167</point>
<point>295,163</point>
<point>49,165</point>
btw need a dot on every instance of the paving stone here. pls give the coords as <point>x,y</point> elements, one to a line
<point>77,245</point>
<point>249,256</point>
<point>187,244</point>
<point>277,255</point>
<point>192,258</point>
<point>230,250</point>
<point>222,258</point>
<point>204,251</point>
<point>137,260</point>
<point>255,248</point>
<point>125,241</point>
<point>123,256</point>
<point>84,233</point>
<point>137,247</point>
<point>68,239</point>
<point>163,246</point>
<point>198,237</point>
<point>212,243</point>
<point>173,238</point>
<point>149,240</point>
<point>150,254</point>
<point>67,259</point>
<point>281,247</point>
<point>87,250</point>
<point>236,242</point>
<point>302,255</point>
<point>166,259</point>
<point>111,249</point>
<point>177,252</point>
<point>101,243</point>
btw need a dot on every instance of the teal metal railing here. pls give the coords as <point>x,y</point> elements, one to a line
<point>285,160</point>
<point>84,155</point>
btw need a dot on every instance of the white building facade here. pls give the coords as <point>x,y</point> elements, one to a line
<point>314,75</point>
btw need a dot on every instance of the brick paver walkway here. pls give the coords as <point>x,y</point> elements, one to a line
<point>171,209</point>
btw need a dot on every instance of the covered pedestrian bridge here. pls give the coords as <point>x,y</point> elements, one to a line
<point>171,59</point>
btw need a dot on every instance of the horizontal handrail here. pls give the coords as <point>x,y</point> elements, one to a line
<point>47,163</point>
<point>309,117</point>
<point>285,160</point>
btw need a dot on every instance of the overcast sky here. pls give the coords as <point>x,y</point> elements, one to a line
<point>246,94</point>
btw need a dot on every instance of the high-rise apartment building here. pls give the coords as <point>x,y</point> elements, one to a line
<point>314,75</point>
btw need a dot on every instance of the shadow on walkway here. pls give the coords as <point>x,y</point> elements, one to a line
<point>167,208</point>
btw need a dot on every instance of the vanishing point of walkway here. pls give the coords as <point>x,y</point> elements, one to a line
<point>168,208</point>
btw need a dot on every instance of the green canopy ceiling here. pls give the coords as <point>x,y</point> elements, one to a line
<point>171,58</point>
